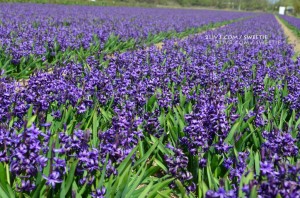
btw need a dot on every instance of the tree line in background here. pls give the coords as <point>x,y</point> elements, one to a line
<point>231,4</point>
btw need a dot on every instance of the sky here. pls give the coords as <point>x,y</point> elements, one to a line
<point>273,1</point>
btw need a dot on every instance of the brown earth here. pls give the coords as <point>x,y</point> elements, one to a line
<point>291,37</point>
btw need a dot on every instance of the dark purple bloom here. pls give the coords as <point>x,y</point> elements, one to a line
<point>53,179</point>
<point>221,193</point>
<point>99,193</point>
<point>26,185</point>
<point>266,168</point>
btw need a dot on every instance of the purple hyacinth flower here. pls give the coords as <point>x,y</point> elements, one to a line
<point>266,168</point>
<point>99,193</point>
<point>53,179</point>
<point>26,185</point>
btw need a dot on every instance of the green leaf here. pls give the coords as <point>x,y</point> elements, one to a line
<point>255,139</point>
<point>95,128</point>
<point>245,181</point>
<point>75,189</point>
<point>10,191</point>
<point>282,119</point>
<point>136,181</point>
<point>82,190</point>
<point>37,192</point>
<point>297,123</point>
<point>159,186</point>
<point>204,189</point>
<point>257,163</point>
<point>229,138</point>
<point>3,177</point>
<point>151,171</point>
<point>141,148</point>
<point>150,103</point>
<point>3,193</point>
<point>119,187</point>
<point>182,99</point>
<point>146,156</point>
<point>105,114</point>
<point>31,120</point>
<point>253,193</point>
<point>161,165</point>
<point>180,187</point>
<point>210,177</point>
<point>68,183</point>
<point>29,112</point>
<point>103,172</point>
<point>165,193</point>
<point>126,161</point>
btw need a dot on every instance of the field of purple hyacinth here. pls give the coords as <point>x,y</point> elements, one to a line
<point>215,114</point>
<point>293,23</point>
<point>292,20</point>
<point>32,34</point>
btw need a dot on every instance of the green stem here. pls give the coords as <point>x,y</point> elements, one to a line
<point>7,174</point>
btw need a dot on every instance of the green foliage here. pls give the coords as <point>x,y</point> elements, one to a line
<point>296,5</point>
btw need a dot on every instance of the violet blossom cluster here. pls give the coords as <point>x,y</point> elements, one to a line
<point>207,122</point>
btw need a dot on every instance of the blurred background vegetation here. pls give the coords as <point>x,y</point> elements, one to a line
<point>243,5</point>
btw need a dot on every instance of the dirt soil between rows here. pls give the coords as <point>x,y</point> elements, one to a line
<point>292,38</point>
